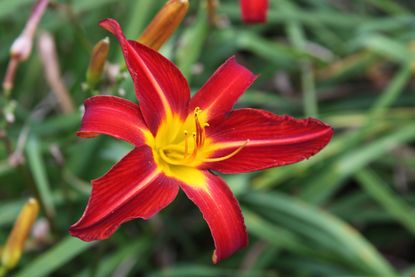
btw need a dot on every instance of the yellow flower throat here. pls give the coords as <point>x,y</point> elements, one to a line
<point>185,143</point>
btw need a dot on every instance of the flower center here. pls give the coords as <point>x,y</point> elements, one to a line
<point>193,146</point>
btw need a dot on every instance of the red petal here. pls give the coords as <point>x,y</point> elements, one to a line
<point>133,188</point>
<point>254,11</point>
<point>222,213</point>
<point>112,116</point>
<point>160,87</point>
<point>223,89</point>
<point>273,140</point>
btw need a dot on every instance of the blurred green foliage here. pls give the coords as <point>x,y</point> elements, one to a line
<point>347,211</point>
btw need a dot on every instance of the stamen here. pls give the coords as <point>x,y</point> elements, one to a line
<point>199,128</point>
<point>211,160</point>
<point>194,135</point>
<point>204,133</point>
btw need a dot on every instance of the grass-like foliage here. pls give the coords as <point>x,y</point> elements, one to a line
<point>348,211</point>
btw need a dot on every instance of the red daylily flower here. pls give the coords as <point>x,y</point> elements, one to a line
<point>177,140</point>
<point>254,11</point>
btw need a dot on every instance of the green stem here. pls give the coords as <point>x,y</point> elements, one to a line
<point>297,37</point>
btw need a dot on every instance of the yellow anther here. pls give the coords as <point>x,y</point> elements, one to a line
<point>197,111</point>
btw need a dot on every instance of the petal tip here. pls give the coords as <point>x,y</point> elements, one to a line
<point>107,22</point>
<point>73,231</point>
<point>214,258</point>
<point>111,25</point>
<point>79,231</point>
<point>234,60</point>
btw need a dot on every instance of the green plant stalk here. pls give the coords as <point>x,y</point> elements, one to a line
<point>389,6</point>
<point>39,173</point>
<point>382,194</point>
<point>51,260</point>
<point>325,184</point>
<point>192,41</point>
<point>383,103</point>
<point>296,34</point>
<point>354,247</point>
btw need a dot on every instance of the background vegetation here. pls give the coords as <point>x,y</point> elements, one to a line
<point>347,211</point>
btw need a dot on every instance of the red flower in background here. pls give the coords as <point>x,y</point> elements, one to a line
<point>254,11</point>
<point>178,139</point>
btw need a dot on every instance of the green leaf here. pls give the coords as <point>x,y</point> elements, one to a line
<point>191,43</point>
<point>392,203</point>
<point>38,169</point>
<point>54,258</point>
<point>352,246</point>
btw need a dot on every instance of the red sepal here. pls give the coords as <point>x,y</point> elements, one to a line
<point>273,140</point>
<point>222,90</point>
<point>112,116</point>
<point>160,87</point>
<point>133,188</point>
<point>254,11</point>
<point>222,213</point>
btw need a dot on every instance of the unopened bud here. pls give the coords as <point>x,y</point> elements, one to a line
<point>212,6</point>
<point>164,23</point>
<point>97,62</point>
<point>13,249</point>
<point>21,48</point>
<point>254,11</point>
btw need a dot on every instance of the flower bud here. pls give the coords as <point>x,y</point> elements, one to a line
<point>97,62</point>
<point>164,23</point>
<point>212,6</point>
<point>13,249</point>
<point>21,48</point>
<point>254,11</point>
